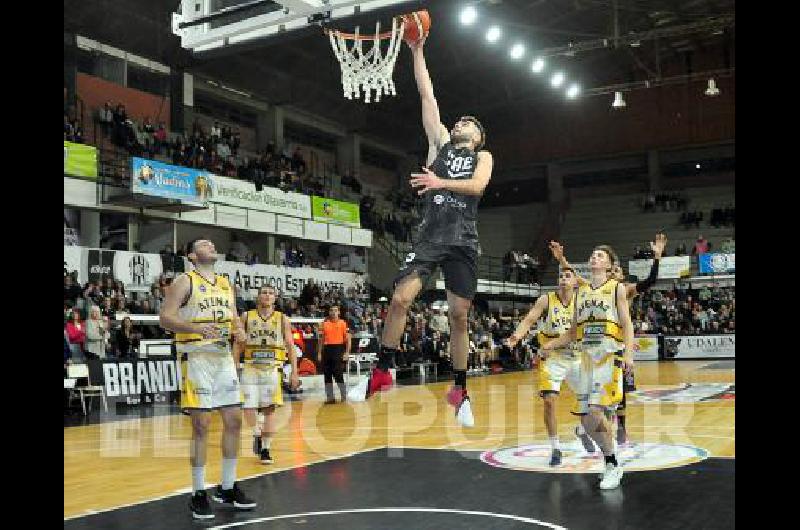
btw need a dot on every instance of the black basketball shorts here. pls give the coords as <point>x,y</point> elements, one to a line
<point>459,265</point>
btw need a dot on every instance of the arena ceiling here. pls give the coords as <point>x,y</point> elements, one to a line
<point>656,40</point>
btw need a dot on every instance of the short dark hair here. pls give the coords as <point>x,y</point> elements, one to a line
<point>477,124</point>
<point>190,245</point>
<point>567,269</point>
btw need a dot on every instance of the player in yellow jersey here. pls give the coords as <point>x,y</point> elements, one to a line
<point>556,309</point>
<point>631,290</point>
<point>200,308</point>
<point>603,329</point>
<point>269,343</point>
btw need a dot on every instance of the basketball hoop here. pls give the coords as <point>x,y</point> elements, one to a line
<point>367,70</point>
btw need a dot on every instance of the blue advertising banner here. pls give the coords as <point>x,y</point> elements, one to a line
<point>717,263</point>
<point>190,186</point>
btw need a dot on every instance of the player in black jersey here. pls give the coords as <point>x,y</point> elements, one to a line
<point>451,186</point>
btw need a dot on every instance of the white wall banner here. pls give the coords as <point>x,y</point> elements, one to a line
<point>72,262</point>
<point>700,346</point>
<point>137,271</point>
<point>288,280</point>
<point>668,268</point>
<point>289,226</point>
<point>581,269</point>
<point>645,348</point>
<point>244,195</point>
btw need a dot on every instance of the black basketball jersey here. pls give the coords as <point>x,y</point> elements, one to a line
<point>450,218</point>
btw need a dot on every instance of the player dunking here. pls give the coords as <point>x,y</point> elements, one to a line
<point>269,343</point>
<point>631,290</point>
<point>451,186</point>
<point>604,331</point>
<point>199,307</point>
<point>562,366</point>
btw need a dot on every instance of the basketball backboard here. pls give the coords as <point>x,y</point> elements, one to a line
<point>206,25</point>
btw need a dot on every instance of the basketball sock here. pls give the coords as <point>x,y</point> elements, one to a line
<point>554,442</point>
<point>460,378</point>
<point>612,459</point>
<point>228,473</point>
<point>266,441</point>
<point>259,425</point>
<point>198,478</point>
<point>385,357</point>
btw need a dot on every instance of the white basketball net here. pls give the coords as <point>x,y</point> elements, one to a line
<point>367,71</point>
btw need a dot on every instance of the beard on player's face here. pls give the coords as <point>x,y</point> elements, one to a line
<point>462,135</point>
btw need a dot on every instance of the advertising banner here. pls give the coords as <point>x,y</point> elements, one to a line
<point>140,381</point>
<point>645,348</point>
<point>668,268</point>
<point>243,194</point>
<point>80,160</point>
<point>338,212</point>
<point>189,186</point>
<point>700,346</point>
<point>717,263</point>
<point>288,280</point>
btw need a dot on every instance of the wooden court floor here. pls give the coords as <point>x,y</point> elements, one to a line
<point>134,460</point>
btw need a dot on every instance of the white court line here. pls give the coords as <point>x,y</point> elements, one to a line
<point>527,520</point>
<point>181,492</point>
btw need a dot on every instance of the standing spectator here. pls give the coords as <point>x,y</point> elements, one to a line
<point>700,246</point>
<point>160,138</point>
<point>215,132</point>
<point>71,291</point>
<point>333,350</point>
<point>96,334</point>
<point>76,334</point>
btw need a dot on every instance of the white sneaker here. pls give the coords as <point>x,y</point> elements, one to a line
<point>611,477</point>
<point>359,392</point>
<point>464,415</point>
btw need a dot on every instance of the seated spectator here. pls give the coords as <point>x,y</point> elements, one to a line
<point>126,340</point>
<point>76,334</point>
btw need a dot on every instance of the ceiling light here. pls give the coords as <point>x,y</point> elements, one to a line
<point>573,91</point>
<point>538,65</point>
<point>618,101</point>
<point>468,15</point>
<point>712,89</point>
<point>493,34</point>
<point>517,51</point>
<point>557,80</point>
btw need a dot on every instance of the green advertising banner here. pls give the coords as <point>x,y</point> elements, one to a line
<point>338,212</point>
<point>80,160</point>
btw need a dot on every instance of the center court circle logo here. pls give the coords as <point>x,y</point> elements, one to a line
<point>636,457</point>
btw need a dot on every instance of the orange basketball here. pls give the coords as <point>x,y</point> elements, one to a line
<point>416,24</point>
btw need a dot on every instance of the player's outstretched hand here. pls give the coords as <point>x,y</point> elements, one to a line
<point>557,250</point>
<point>427,180</point>
<point>659,245</point>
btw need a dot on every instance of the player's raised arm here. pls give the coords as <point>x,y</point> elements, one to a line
<point>558,253</point>
<point>435,130</point>
<point>535,313</point>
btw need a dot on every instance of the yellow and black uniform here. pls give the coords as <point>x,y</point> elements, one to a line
<point>601,341</point>
<point>562,364</point>
<point>207,367</point>
<point>264,355</point>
